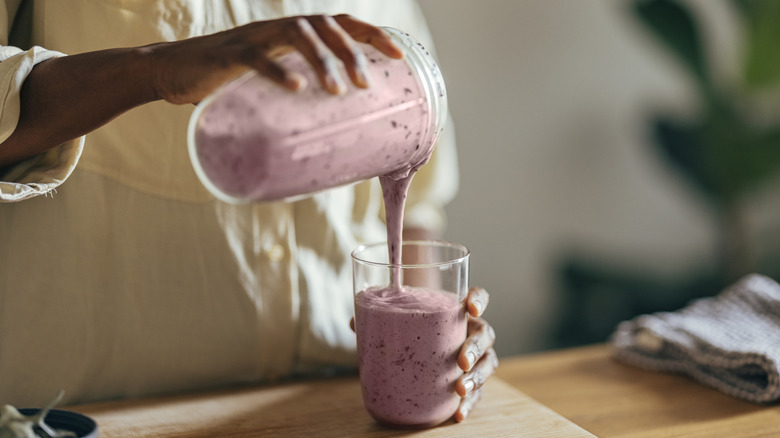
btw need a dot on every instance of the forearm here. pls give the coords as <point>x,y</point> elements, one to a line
<point>64,98</point>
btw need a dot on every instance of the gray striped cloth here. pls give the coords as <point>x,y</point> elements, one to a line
<point>730,342</point>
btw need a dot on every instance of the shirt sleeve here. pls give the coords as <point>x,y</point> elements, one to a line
<point>41,174</point>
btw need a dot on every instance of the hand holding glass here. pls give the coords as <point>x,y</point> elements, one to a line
<point>410,321</point>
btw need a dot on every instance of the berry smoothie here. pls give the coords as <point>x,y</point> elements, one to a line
<point>256,141</point>
<point>408,342</point>
<point>394,192</point>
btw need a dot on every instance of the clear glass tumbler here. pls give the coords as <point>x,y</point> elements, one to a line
<point>410,321</point>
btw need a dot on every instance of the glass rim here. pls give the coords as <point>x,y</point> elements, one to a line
<point>465,253</point>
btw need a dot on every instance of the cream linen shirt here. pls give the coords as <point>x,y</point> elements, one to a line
<point>132,279</point>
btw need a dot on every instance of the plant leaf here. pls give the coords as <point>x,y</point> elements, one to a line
<point>684,147</point>
<point>674,25</point>
<point>749,9</point>
<point>762,57</point>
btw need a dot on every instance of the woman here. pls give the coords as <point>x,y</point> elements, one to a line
<point>132,280</point>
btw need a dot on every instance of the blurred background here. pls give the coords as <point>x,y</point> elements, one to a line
<point>617,157</point>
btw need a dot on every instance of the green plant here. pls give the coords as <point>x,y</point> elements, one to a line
<point>725,152</point>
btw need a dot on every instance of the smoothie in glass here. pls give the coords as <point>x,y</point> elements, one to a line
<point>409,335</point>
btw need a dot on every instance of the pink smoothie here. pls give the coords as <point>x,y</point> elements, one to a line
<point>255,141</point>
<point>408,342</point>
<point>394,192</point>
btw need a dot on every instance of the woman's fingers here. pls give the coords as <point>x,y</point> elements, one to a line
<point>325,42</point>
<point>270,69</point>
<point>467,404</point>
<point>477,357</point>
<point>474,379</point>
<point>344,47</point>
<point>477,301</point>
<point>188,70</point>
<point>481,337</point>
<point>365,33</point>
<point>307,41</point>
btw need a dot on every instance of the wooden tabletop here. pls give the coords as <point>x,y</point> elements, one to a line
<point>580,392</point>
<point>316,408</point>
<point>610,399</point>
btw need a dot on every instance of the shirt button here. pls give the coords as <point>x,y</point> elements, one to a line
<point>275,252</point>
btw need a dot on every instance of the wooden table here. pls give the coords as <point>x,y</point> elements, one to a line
<point>578,392</point>
<point>610,399</point>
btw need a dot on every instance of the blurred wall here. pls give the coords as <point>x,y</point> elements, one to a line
<point>549,99</point>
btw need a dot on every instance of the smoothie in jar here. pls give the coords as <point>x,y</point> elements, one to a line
<point>253,140</point>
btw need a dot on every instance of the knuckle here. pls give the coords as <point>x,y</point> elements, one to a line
<point>329,21</point>
<point>479,378</point>
<point>298,26</point>
<point>327,61</point>
<point>344,19</point>
<point>477,348</point>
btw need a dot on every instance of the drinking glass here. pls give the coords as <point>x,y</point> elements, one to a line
<point>410,321</point>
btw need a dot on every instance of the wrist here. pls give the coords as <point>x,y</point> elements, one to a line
<point>148,65</point>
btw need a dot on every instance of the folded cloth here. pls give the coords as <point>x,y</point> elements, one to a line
<point>730,342</point>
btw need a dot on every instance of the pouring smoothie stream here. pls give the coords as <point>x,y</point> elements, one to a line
<point>408,337</point>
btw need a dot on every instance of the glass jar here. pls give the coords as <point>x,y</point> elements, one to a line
<point>253,140</point>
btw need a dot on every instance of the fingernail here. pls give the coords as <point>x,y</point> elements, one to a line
<point>363,79</point>
<point>478,307</point>
<point>468,385</point>
<point>361,69</point>
<point>472,358</point>
<point>335,84</point>
<point>294,81</point>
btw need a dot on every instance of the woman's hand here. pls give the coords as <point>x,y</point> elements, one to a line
<point>477,358</point>
<point>188,70</point>
<point>66,97</point>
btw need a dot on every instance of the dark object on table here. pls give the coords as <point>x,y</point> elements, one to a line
<point>59,419</point>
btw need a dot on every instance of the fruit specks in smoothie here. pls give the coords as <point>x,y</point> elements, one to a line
<point>430,356</point>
